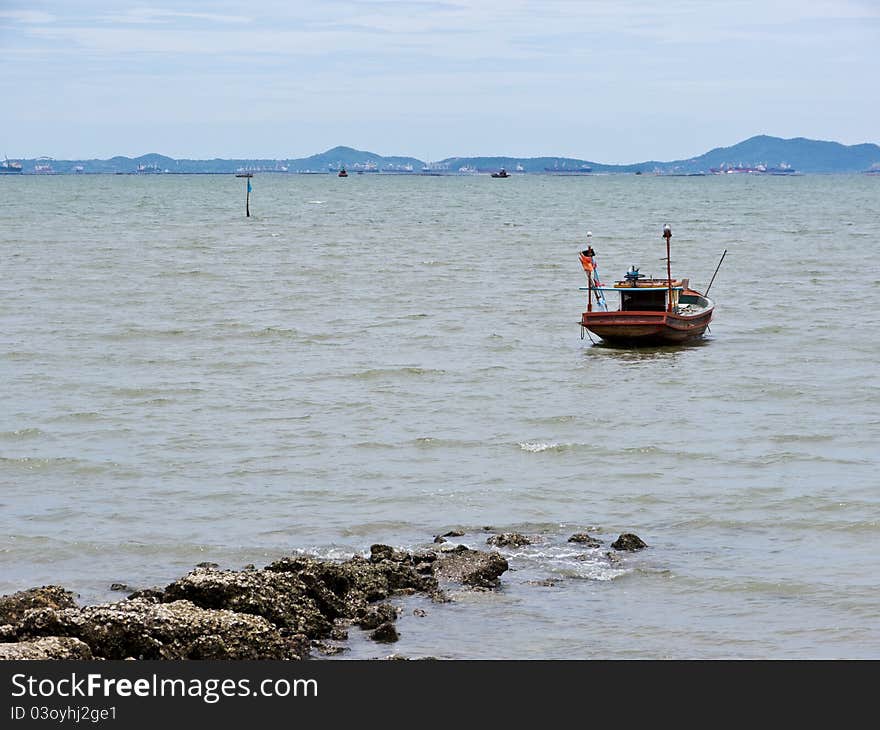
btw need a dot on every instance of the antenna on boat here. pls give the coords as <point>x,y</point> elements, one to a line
<point>667,234</point>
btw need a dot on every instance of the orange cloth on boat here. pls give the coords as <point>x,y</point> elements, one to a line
<point>587,263</point>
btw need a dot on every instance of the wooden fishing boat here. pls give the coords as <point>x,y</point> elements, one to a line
<point>651,311</point>
<point>502,173</point>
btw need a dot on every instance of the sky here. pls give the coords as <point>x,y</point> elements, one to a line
<point>609,81</point>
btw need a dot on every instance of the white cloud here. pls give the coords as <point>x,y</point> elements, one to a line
<point>27,17</point>
<point>152,16</point>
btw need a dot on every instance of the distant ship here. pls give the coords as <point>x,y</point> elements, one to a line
<point>781,169</point>
<point>565,170</point>
<point>10,167</point>
<point>148,169</point>
<point>43,166</point>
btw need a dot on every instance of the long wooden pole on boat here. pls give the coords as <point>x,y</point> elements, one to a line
<point>667,234</point>
<point>589,291</point>
<point>716,271</point>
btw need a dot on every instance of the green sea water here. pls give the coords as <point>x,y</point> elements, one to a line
<point>384,358</point>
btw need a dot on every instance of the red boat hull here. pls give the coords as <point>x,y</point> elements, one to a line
<point>646,328</point>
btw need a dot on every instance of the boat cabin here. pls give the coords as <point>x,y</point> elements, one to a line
<point>638,294</point>
<point>643,300</point>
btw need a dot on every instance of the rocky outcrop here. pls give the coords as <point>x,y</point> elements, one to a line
<point>284,599</point>
<point>51,647</point>
<point>582,538</point>
<point>471,567</point>
<point>386,634</point>
<point>277,612</point>
<point>141,629</point>
<point>14,607</point>
<point>628,541</point>
<point>509,539</point>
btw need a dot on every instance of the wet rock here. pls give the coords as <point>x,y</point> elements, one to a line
<point>449,548</point>
<point>14,606</point>
<point>420,612</point>
<point>207,565</point>
<point>7,633</point>
<point>509,539</point>
<point>423,562</point>
<point>296,602</point>
<point>453,533</point>
<point>583,538</point>
<point>378,553</point>
<point>546,583</point>
<point>154,595</point>
<point>377,615</point>
<point>439,539</point>
<point>628,541</point>
<point>119,587</point>
<point>50,647</point>
<point>142,629</point>
<point>328,649</point>
<point>385,634</point>
<point>356,583</point>
<point>471,567</point>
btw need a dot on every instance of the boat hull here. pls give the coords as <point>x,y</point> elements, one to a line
<point>646,328</point>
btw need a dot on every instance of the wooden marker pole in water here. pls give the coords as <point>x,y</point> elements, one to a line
<point>247,200</point>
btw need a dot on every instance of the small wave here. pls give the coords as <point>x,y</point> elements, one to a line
<point>158,393</point>
<point>20,434</point>
<point>188,273</point>
<point>430,442</point>
<point>373,445</point>
<point>20,355</point>
<point>537,447</point>
<point>589,563</point>
<point>784,438</point>
<point>274,332</point>
<point>545,420</point>
<point>59,463</point>
<point>79,416</point>
<point>376,373</point>
<point>140,333</point>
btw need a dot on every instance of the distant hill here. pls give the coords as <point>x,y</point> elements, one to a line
<point>798,154</point>
<point>804,155</point>
<point>356,160</point>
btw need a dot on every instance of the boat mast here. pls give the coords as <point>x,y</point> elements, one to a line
<point>667,234</point>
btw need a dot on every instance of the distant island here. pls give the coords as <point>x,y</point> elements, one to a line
<point>757,155</point>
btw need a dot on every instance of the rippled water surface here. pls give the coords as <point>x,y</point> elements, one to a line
<point>383,358</point>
